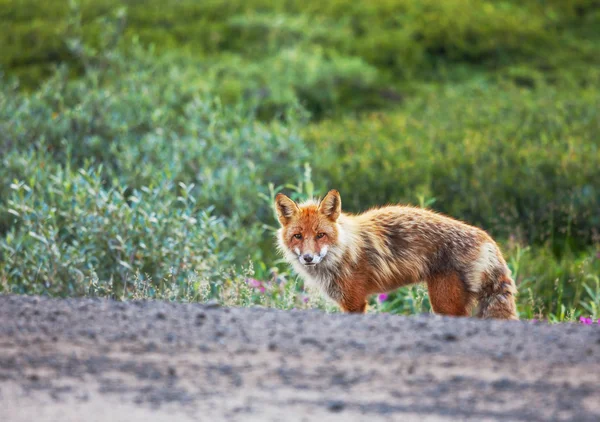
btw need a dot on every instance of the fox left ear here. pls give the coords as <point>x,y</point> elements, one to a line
<point>331,205</point>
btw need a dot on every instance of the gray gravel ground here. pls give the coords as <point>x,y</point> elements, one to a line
<point>98,360</point>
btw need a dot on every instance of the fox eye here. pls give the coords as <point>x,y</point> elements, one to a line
<point>298,236</point>
<point>320,235</point>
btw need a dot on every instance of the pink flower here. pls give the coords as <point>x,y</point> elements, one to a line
<point>382,297</point>
<point>586,321</point>
<point>254,283</point>
<point>306,301</point>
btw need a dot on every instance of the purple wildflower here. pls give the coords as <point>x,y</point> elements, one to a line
<point>262,289</point>
<point>586,321</point>
<point>306,301</point>
<point>382,297</point>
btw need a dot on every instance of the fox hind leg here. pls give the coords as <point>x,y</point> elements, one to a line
<point>448,295</point>
<point>497,297</point>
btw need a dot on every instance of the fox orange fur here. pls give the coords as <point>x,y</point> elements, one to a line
<point>353,256</point>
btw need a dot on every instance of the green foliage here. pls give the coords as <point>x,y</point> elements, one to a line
<point>401,38</point>
<point>514,161</point>
<point>592,288</point>
<point>69,231</point>
<point>305,75</point>
<point>151,142</point>
<point>554,287</point>
<point>127,115</point>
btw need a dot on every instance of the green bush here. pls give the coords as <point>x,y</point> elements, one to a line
<point>321,84</point>
<point>70,231</point>
<point>513,161</point>
<point>557,288</point>
<point>145,135</point>
<point>129,116</point>
<point>404,39</point>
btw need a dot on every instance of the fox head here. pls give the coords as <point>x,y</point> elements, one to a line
<point>309,230</point>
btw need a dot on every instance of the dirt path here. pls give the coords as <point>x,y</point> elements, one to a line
<point>96,360</point>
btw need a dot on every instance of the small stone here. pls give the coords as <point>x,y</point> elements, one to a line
<point>449,337</point>
<point>200,318</point>
<point>161,315</point>
<point>335,406</point>
<point>500,355</point>
<point>502,384</point>
<point>212,304</point>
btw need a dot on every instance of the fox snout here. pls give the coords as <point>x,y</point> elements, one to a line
<point>311,258</point>
<point>307,258</point>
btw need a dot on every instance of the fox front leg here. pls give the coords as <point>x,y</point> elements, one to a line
<point>354,305</point>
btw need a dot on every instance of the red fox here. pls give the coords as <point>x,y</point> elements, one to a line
<point>350,257</point>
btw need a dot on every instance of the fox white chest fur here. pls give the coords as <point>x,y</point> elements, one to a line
<point>324,268</point>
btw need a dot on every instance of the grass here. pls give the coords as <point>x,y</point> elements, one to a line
<point>143,147</point>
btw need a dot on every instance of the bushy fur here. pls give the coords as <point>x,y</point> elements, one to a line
<point>352,256</point>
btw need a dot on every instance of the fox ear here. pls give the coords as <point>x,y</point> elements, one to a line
<point>286,208</point>
<point>331,205</point>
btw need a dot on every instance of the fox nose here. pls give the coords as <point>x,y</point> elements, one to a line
<point>308,258</point>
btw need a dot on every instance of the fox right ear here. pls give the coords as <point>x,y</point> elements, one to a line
<point>286,208</point>
<point>331,205</point>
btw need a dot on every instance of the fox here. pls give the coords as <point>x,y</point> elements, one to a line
<point>352,256</point>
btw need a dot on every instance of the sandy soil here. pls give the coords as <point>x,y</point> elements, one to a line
<point>97,360</point>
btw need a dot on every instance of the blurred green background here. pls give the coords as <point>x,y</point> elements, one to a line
<point>142,142</point>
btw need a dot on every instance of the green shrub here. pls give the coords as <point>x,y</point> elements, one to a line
<point>324,85</point>
<point>129,116</point>
<point>554,287</point>
<point>402,38</point>
<point>144,134</point>
<point>513,161</point>
<point>70,231</point>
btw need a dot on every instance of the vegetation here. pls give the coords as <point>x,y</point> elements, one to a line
<point>142,147</point>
